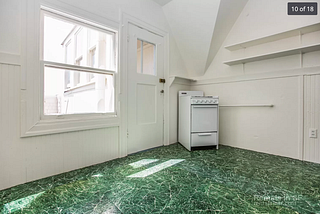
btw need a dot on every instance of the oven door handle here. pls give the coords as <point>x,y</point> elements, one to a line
<point>205,134</point>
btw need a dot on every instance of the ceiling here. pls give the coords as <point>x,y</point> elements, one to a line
<point>227,16</point>
<point>162,2</point>
<point>192,25</point>
<point>199,28</point>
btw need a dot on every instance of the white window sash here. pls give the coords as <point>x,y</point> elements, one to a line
<point>75,116</point>
<point>76,67</point>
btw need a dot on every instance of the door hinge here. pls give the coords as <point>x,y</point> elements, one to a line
<point>128,38</point>
<point>162,80</point>
<point>127,134</point>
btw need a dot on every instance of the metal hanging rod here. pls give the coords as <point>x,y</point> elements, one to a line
<point>249,105</point>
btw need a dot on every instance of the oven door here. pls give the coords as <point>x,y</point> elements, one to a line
<point>204,118</point>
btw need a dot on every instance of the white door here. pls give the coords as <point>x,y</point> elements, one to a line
<point>145,95</point>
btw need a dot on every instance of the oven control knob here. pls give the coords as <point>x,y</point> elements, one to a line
<point>211,101</point>
<point>202,101</point>
<point>206,101</point>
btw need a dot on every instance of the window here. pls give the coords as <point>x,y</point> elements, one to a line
<point>78,39</point>
<point>92,57</point>
<point>146,53</point>
<point>79,66</point>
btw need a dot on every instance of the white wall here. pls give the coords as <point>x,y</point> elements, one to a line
<point>271,130</point>
<point>26,159</point>
<point>259,19</point>
<point>10,22</point>
<point>192,24</point>
<point>226,18</point>
<point>311,151</point>
<point>278,81</point>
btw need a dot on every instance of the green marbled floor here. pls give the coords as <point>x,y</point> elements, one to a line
<point>227,180</point>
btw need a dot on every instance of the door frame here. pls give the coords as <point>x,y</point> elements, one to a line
<point>127,19</point>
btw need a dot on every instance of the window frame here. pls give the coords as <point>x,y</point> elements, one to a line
<point>33,121</point>
<point>89,70</point>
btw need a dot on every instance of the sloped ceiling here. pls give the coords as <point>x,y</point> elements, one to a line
<point>228,14</point>
<point>200,27</point>
<point>162,2</point>
<point>192,24</point>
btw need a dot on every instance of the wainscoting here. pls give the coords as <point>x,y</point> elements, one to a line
<point>27,159</point>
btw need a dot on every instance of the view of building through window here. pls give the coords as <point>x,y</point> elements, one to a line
<point>68,90</point>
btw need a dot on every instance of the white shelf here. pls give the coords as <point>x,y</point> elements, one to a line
<point>173,78</point>
<point>275,37</point>
<point>287,52</point>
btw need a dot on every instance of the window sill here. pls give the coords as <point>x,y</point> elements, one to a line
<point>62,125</point>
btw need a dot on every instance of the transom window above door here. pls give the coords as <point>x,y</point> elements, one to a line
<point>146,55</point>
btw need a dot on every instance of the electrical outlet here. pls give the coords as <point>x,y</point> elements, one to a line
<point>313,133</point>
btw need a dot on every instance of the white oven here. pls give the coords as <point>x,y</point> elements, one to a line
<point>185,94</point>
<point>199,121</point>
<point>204,118</point>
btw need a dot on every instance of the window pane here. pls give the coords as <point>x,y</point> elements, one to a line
<point>93,38</point>
<point>146,57</point>
<point>92,56</point>
<point>139,54</point>
<point>67,42</point>
<point>55,32</point>
<point>72,92</point>
<point>69,53</point>
<point>148,66</point>
<point>79,40</point>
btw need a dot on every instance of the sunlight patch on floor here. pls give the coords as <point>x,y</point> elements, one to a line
<point>143,162</point>
<point>156,168</point>
<point>20,203</point>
